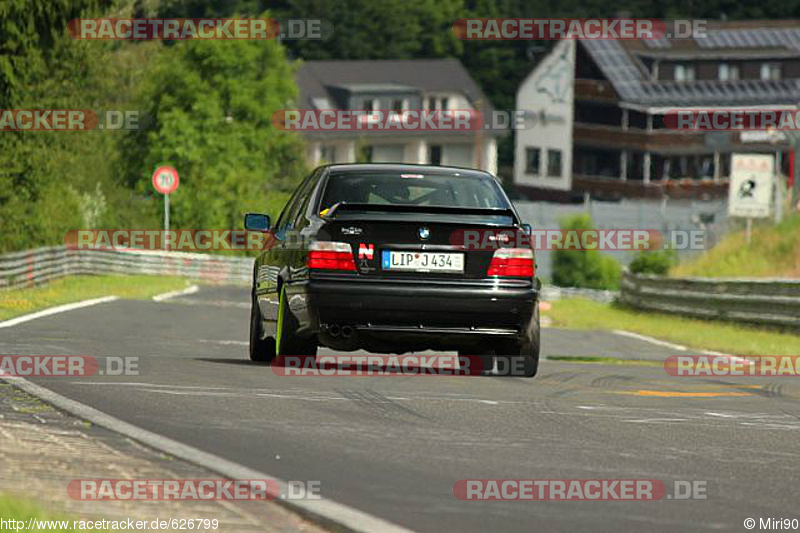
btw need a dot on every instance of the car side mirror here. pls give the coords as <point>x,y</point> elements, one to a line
<point>256,222</point>
<point>527,229</point>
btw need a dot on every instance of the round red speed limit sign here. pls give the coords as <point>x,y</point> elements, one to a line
<point>165,180</point>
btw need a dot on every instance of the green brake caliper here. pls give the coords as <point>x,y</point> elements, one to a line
<point>281,311</point>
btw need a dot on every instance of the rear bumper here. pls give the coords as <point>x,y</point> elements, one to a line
<point>408,310</point>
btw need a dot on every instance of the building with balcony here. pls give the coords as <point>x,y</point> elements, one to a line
<point>596,111</point>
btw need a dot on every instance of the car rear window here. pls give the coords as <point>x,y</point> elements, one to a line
<point>451,190</point>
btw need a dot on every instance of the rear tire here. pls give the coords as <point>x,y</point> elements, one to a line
<point>287,342</point>
<point>521,356</point>
<point>262,349</point>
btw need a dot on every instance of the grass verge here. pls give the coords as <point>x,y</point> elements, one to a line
<point>15,302</point>
<point>730,338</point>
<point>774,251</point>
<point>13,509</point>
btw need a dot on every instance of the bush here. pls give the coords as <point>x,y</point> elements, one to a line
<point>587,269</point>
<point>657,262</point>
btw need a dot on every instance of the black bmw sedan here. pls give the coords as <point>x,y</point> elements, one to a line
<point>393,258</point>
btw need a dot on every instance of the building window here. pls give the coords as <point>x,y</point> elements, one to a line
<point>684,72</point>
<point>370,105</point>
<point>435,154</point>
<point>728,72</point>
<point>435,104</point>
<point>770,71</point>
<point>327,153</point>
<point>554,163</point>
<point>533,158</point>
<point>398,105</point>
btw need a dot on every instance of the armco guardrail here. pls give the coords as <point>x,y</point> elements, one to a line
<point>762,301</point>
<point>553,293</point>
<point>44,264</point>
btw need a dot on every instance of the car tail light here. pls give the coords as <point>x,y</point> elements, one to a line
<point>512,262</point>
<point>330,256</point>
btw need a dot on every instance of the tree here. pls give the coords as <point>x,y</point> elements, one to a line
<point>210,102</point>
<point>41,68</point>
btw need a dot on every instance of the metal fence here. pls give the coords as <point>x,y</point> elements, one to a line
<point>762,301</point>
<point>31,267</point>
<point>553,292</point>
<point>663,216</point>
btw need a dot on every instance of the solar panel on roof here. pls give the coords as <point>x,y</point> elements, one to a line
<point>632,86</point>
<point>661,43</point>
<point>751,38</point>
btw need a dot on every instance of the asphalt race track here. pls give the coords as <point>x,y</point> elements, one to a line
<point>395,446</point>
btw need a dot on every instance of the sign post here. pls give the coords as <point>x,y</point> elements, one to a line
<point>752,180</point>
<point>778,187</point>
<point>165,181</point>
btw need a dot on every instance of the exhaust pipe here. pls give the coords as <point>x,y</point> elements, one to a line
<point>347,332</point>
<point>334,330</point>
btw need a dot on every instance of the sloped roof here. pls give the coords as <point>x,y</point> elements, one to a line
<point>619,63</point>
<point>429,75</point>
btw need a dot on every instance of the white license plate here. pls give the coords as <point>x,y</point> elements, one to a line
<point>423,261</point>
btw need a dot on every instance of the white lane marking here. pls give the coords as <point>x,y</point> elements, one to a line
<point>656,420</point>
<point>328,510</point>
<point>651,340</point>
<point>56,310</point>
<point>217,303</point>
<point>135,384</point>
<point>595,407</point>
<point>721,415</point>
<point>762,425</point>
<point>225,343</point>
<point>191,289</point>
<point>672,346</point>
